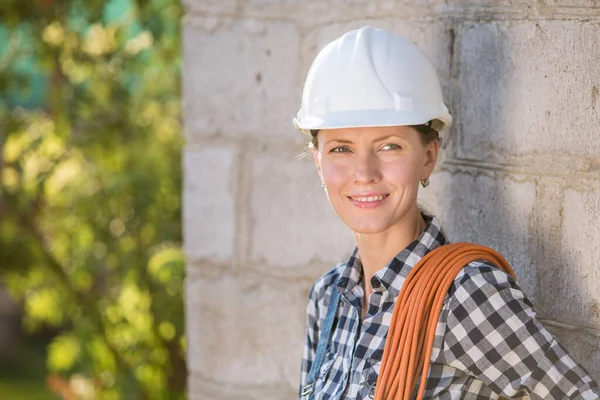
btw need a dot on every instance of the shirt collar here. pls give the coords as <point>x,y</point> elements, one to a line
<point>392,276</point>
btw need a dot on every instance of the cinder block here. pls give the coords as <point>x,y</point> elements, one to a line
<point>240,77</point>
<point>315,12</point>
<point>528,88</point>
<point>592,5</point>
<point>582,345</point>
<point>489,210</point>
<point>292,222</point>
<point>208,203</point>
<point>246,330</point>
<point>571,283</point>
<point>490,3</point>
<point>308,12</point>
<point>211,6</point>
<point>200,388</point>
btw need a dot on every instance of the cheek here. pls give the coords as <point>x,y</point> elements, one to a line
<point>334,174</point>
<point>402,172</point>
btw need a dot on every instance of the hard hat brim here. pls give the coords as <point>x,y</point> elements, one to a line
<point>369,118</point>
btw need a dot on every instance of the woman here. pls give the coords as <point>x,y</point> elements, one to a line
<point>373,105</point>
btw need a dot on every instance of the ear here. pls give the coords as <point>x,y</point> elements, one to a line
<point>432,151</point>
<point>317,158</point>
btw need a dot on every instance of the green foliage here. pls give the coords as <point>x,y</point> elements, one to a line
<point>90,184</point>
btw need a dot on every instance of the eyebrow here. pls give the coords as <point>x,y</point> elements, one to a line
<point>386,137</point>
<point>346,141</point>
<point>379,139</point>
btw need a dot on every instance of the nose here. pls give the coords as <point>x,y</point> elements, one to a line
<point>367,169</point>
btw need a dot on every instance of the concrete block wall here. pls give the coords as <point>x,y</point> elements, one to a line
<point>520,169</point>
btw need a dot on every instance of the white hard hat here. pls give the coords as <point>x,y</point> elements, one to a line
<point>371,77</point>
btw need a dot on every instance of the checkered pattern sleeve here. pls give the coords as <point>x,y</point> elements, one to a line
<point>312,336</point>
<point>492,333</point>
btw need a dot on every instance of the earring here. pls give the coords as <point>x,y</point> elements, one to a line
<point>425,182</point>
<point>322,184</point>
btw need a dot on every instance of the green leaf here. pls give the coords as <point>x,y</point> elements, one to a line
<point>63,352</point>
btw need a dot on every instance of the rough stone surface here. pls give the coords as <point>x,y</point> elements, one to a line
<point>309,12</point>
<point>488,210</point>
<point>292,221</point>
<point>495,3</point>
<point>208,203</point>
<point>246,330</point>
<point>574,278</point>
<point>590,4</point>
<point>234,82</point>
<point>582,345</point>
<point>520,173</point>
<point>203,389</point>
<point>211,6</point>
<point>523,90</point>
<point>316,12</point>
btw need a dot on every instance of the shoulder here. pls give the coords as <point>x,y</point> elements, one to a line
<point>482,282</point>
<point>322,288</point>
<point>482,272</point>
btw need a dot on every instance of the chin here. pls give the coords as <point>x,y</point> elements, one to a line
<point>368,227</point>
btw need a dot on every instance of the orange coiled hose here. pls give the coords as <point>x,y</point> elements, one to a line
<point>409,342</point>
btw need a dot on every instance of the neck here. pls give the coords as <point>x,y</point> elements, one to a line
<point>376,250</point>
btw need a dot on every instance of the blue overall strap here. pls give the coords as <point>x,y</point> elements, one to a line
<point>324,338</point>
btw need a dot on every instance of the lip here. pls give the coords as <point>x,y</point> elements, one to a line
<point>378,199</point>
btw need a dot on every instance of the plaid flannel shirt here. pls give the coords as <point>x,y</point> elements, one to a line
<point>488,341</point>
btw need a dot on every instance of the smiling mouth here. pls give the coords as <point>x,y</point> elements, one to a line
<point>369,199</point>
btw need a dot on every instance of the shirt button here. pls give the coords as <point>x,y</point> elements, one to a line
<point>375,284</point>
<point>372,391</point>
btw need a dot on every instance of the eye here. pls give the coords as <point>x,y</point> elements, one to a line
<point>390,146</point>
<point>340,149</point>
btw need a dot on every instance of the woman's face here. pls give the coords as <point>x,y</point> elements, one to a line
<point>371,175</point>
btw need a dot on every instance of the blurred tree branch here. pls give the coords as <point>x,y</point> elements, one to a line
<point>90,222</point>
